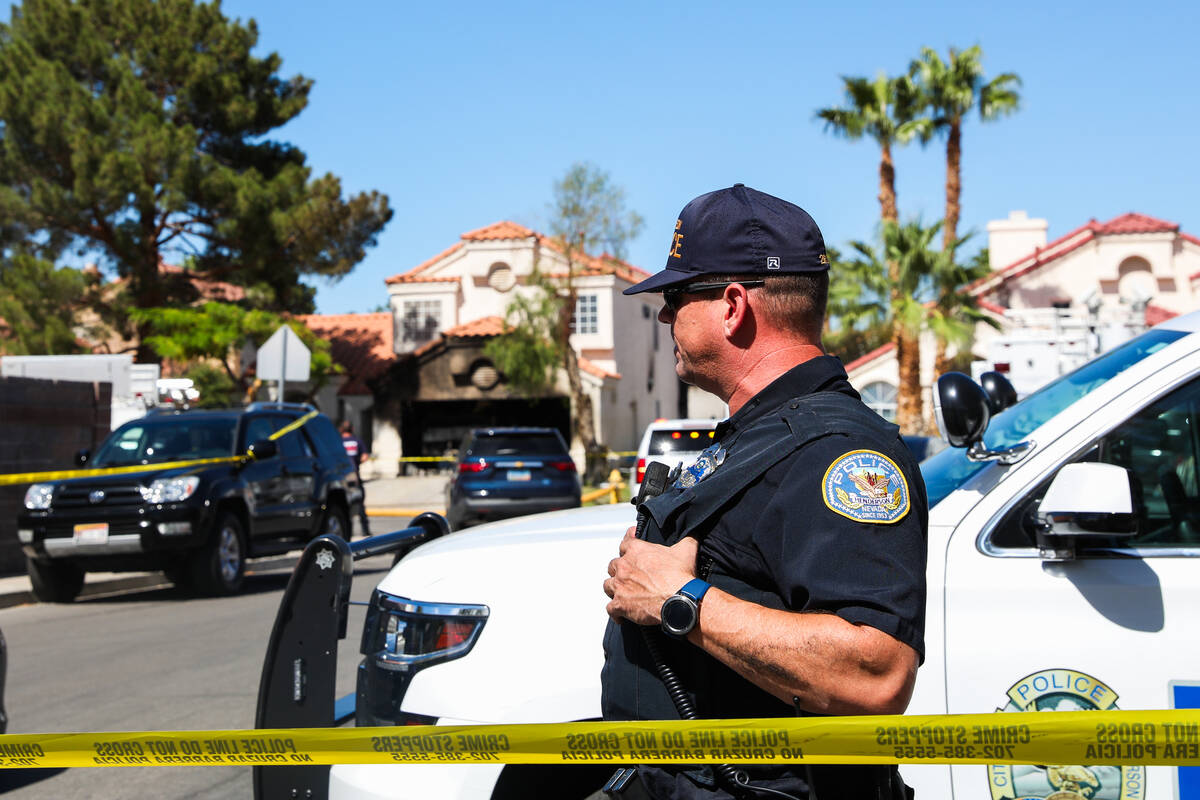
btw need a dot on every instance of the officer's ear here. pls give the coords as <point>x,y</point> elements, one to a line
<point>737,321</point>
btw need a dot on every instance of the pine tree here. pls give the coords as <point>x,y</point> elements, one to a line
<point>136,129</point>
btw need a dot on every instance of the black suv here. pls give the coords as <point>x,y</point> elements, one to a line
<point>197,524</point>
<point>508,472</point>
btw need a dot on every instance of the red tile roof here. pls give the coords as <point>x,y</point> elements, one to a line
<point>475,329</point>
<point>1040,257</point>
<point>360,343</point>
<point>499,230</point>
<point>603,264</point>
<point>408,277</point>
<point>426,264</point>
<point>871,356</point>
<point>484,326</point>
<point>592,368</point>
<point>1156,314</point>
<point>1133,223</point>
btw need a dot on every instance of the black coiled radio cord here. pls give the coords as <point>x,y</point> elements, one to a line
<point>654,483</point>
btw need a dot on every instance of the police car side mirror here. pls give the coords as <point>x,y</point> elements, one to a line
<point>1084,499</point>
<point>999,390</point>
<point>82,456</point>
<point>961,409</point>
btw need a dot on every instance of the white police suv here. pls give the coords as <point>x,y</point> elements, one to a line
<point>1063,538</point>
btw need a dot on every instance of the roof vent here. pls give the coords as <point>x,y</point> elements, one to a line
<point>501,278</point>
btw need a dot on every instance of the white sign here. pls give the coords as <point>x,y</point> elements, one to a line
<point>283,358</point>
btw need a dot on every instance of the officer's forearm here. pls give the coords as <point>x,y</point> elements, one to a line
<point>833,666</point>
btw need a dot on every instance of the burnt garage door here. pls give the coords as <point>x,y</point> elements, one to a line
<point>433,427</point>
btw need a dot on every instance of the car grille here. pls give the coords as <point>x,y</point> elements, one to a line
<point>115,494</point>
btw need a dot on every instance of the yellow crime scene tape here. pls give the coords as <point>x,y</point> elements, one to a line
<point>1157,738</point>
<point>63,474</point>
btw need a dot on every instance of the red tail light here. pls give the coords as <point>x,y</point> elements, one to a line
<point>641,470</point>
<point>473,466</point>
<point>454,633</point>
<point>563,466</point>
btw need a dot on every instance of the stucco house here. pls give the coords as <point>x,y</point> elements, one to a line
<point>1059,303</point>
<point>447,308</point>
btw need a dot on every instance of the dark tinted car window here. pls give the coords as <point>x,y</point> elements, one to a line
<point>504,444</point>
<point>257,428</point>
<point>151,441</point>
<point>671,441</point>
<point>327,440</point>
<point>292,445</point>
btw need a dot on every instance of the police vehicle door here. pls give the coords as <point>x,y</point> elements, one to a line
<point>1113,627</point>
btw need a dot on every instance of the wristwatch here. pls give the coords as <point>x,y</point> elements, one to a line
<point>681,611</point>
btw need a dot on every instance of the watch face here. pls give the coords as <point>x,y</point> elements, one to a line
<point>678,615</point>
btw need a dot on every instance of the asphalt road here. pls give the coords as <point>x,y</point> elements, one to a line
<point>150,659</point>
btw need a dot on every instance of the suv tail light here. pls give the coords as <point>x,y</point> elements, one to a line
<point>563,466</point>
<point>641,470</point>
<point>400,638</point>
<point>473,466</point>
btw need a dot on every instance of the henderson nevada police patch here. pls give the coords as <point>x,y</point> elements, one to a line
<point>866,486</point>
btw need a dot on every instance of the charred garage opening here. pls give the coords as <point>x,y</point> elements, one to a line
<point>449,386</point>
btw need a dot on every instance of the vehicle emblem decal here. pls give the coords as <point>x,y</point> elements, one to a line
<point>325,559</point>
<point>866,486</point>
<point>1068,690</point>
<point>705,464</point>
<point>96,496</point>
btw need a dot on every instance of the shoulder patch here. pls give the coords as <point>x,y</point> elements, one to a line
<point>866,486</point>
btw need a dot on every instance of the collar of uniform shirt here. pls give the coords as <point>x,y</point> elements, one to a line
<point>806,378</point>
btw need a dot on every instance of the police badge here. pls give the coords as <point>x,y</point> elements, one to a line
<point>705,464</point>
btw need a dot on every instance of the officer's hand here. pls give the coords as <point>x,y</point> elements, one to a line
<point>645,574</point>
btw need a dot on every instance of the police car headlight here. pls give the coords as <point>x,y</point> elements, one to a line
<point>402,637</point>
<point>170,490</point>
<point>37,497</point>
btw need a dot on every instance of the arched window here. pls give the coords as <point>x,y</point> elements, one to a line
<point>880,397</point>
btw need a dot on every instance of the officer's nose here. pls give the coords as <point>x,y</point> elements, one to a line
<point>665,315</point>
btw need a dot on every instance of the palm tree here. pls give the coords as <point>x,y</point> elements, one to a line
<point>883,109</point>
<point>890,287</point>
<point>954,314</point>
<point>950,90</point>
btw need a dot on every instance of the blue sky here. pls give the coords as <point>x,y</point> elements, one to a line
<point>466,113</point>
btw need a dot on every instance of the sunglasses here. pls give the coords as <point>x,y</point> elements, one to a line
<point>673,298</point>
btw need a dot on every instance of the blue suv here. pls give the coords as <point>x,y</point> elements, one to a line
<point>509,472</point>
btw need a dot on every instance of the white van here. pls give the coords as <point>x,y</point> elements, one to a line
<point>1049,589</point>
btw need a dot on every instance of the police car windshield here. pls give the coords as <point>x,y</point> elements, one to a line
<point>949,469</point>
<point>150,441</point>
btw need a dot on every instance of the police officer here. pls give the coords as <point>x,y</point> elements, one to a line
<point>786,568</point>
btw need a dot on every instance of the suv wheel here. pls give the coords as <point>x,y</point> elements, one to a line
<point>54,582</point>
<point>336,523</point>
<point>220,566</point>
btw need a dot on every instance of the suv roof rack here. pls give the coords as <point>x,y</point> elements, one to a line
<point>281,406</point>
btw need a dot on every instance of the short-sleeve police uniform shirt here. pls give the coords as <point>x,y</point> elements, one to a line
<point>817,506</point>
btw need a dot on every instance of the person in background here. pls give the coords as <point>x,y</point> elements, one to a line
<point>358,454</point>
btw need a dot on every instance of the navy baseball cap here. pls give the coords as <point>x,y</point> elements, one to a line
<point>739,231</point>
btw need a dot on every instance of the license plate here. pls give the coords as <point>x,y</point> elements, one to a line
<point>91,533</point>
<point>518,475</point>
